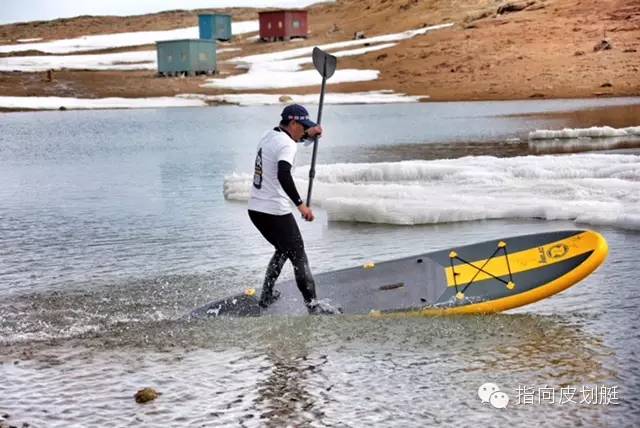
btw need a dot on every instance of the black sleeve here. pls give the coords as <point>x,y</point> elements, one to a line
<point>286,181</point>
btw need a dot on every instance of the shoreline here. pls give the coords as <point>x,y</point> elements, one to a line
<point>209,103</point>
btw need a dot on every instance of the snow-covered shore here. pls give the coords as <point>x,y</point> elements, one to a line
<point>199,100</point>
<point>120,40</point>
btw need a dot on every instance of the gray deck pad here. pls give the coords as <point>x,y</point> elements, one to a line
<point>400,285</point>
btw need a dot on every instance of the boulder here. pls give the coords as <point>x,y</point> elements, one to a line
<point>145,395</point>
<point>514,7</point>
<point>359,35</point>
<point>604,45</point>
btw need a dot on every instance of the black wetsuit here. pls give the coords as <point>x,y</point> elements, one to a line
<point>282,232</point>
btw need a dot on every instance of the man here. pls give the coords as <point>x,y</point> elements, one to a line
<point>270,209</point>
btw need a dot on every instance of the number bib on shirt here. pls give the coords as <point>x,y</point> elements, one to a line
<point>257,171</point>
<point>267,195</point>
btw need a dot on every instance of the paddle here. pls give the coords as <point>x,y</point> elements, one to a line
<point>326,66</point>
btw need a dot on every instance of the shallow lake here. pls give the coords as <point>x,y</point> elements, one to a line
<point>114,224</point>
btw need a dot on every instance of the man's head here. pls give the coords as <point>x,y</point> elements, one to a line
<point>295,119</point>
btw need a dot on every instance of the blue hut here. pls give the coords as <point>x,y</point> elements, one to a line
<point>188,56</point>
<point>215,26</point>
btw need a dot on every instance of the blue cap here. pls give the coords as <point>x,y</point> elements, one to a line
<point>299,114</point>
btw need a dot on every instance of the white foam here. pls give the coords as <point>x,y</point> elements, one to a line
<point>119,40</point>
<point>283,69</point>
<point>50,334</point>
<point>587,188</point>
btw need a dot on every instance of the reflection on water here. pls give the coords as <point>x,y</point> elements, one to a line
<point>613,116</point>
<point>312,371</point>
<point>507,148</point>
<point>579,145</point>
<point>401,152</point>
<point>513,143</point>
<point>285,396</point>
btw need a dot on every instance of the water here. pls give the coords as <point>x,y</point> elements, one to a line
<point>114,225</point>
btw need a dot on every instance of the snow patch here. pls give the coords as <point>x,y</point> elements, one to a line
<point>54,103</point>
<point>284,69</point>
<point>140,60</point>
<point>373,97</point>
<point>123,61</point>
<point>119,40</point>
<point>593,132</point>
<point>286,79</point>
<point>584,139</point>
<point>596,189</point>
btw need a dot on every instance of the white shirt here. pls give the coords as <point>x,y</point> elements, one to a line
<point>267,195</point>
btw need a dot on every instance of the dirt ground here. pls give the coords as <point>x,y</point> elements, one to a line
<point>545,50</point>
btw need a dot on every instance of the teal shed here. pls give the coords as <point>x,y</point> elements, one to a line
<point>215,26</point>
<point>188,56</point>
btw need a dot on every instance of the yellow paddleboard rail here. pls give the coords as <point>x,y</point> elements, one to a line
<point>522,261</point>
<point>579,244</point>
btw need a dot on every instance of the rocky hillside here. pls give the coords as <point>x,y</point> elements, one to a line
<point>495,50</point>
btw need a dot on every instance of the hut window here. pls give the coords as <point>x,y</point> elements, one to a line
<point>279,24</point>
<point>183,56</point>
<point>169,58</point>
<point>269,26</point>
<point>202,56</point>
<point>296,24</point>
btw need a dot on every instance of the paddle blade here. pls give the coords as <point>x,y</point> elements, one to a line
<point>324,63</point>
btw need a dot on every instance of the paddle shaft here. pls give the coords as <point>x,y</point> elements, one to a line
<point>312,170</point>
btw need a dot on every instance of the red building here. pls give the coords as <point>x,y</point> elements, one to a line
<point>283,24</point>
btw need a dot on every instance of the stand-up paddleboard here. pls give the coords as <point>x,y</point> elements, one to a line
<point>482,278</point>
